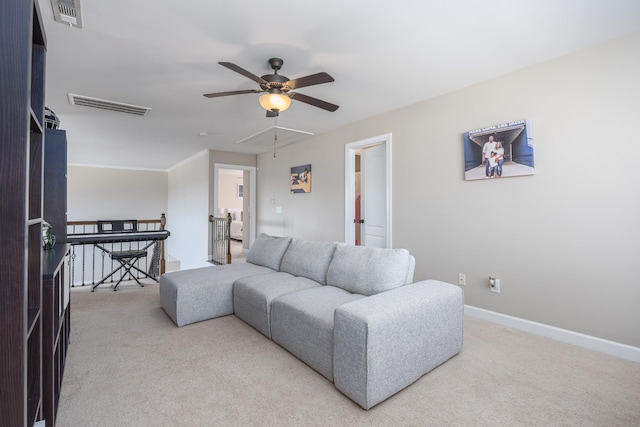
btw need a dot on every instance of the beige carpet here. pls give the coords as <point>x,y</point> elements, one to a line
<point>129,365</point>
<point>237,253</point>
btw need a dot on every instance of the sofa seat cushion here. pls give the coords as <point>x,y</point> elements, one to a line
<point>368,271</point>
<point>253,296</point>
<point>308,259</point>
<point>302,322</point>
<point>268,251</point>
<point>189,296</point>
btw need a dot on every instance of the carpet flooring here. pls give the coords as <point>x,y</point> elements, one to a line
<point>129,365</point>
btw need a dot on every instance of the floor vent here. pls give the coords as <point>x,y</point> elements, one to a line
<point>67,12</point>
<point>265,138</point>
<point>103,104</point>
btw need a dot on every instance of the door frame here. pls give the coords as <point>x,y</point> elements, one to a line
<point>350,151</point>
<point>252,194</point>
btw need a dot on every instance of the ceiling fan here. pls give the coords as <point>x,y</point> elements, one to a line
<point>278,89</point>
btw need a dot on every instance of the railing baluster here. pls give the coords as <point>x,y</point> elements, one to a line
<point>220,240</point>
<point>87,277</point>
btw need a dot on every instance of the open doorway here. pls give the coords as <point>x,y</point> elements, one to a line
<point>368,192</point>
<point>234,194</point>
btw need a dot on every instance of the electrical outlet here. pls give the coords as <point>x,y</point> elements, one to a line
<point>494,285</point>
<point>462,279</point>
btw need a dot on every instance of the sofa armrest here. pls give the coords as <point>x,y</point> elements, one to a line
<point>387,341</point>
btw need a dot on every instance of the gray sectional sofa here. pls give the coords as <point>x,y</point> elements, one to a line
<point>350,312</point>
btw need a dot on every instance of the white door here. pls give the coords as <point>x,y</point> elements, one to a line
<point>376,212</point>
<point>374,203</point>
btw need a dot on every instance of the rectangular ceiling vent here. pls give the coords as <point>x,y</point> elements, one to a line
<point>265,138</point>
<point>103,104</point>
<point>67,12</point>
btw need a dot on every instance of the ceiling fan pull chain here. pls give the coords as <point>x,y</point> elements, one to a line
<point>275,135</point>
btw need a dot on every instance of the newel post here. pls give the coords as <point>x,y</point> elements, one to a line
<point>229,238</point>
<point>163,223</point>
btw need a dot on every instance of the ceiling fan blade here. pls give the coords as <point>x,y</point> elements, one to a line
<point>233,92</point>
<point>240,70</point>
<point>313,79</point>
<point>313,101</point>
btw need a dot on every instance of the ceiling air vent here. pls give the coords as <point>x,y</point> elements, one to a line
<point>103,104</point>
<point>67,12</point>
<point>265,138</point>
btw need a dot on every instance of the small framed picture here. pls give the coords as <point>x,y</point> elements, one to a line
<point>300,179</point>
<point>499,151</point>
<point>240,191</point>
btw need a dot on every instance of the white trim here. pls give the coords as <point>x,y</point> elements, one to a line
<point>611,348</point>
<point>87,165</point>
<point>188,159</point>
<point>349,184</point>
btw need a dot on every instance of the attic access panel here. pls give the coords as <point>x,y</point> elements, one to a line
<point>265,139</point>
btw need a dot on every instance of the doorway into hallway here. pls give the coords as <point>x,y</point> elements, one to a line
<point>368,192</point>
<point>234,193</point>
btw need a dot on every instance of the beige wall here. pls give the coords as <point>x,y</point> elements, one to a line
<point>564,242</point>
<point>228,191</point>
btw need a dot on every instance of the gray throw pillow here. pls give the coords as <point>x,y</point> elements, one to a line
<point>268,251</point>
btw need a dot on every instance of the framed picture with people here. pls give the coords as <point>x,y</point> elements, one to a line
<point>300,179</point>
<point>499,151</point>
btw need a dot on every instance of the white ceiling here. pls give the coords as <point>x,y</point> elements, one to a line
<point>383,55</point>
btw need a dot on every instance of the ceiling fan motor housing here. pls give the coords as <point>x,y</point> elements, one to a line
<point>275,81</point>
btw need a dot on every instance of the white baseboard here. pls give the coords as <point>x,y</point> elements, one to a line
<point>612,348</point>
<point>172,265</point>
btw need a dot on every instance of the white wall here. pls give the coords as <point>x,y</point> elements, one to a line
<point>564,241</point>
<point>189,192</point>
<point>104,193</point>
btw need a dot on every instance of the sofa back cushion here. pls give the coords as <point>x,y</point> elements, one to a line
<point>308,259</point>
<point>368,271</point>
<point>268,251</point>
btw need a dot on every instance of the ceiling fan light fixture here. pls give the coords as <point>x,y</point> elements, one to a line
<point>275,101</point>
<point>275,88</point>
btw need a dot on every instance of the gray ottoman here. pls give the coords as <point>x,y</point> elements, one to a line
<point>190,296</point>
